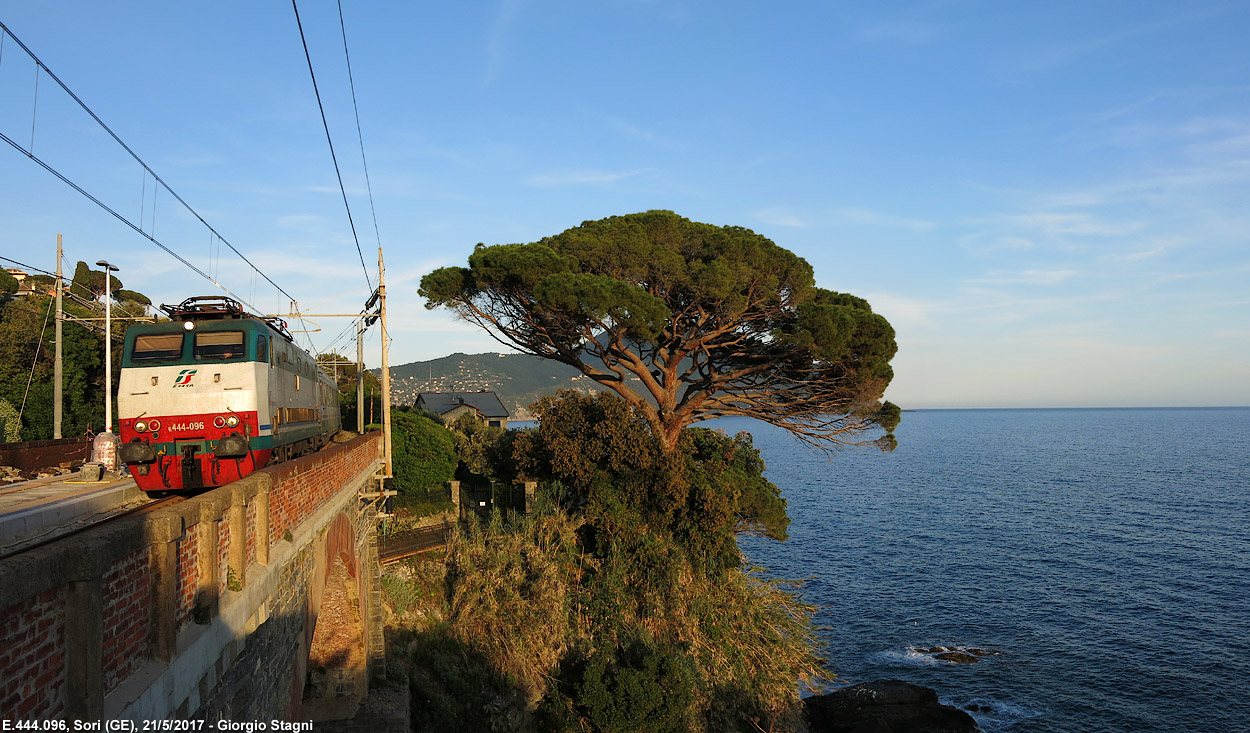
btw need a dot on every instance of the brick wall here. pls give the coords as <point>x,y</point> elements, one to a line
<point>188,576</point>
<point>32,658</point>
<point>127,622</point>
<point>223,553</point>
<point>249,555</point>
<point>303,485</point>
<point>64,646</point>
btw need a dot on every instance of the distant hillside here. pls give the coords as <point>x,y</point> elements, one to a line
<point>518,379</point>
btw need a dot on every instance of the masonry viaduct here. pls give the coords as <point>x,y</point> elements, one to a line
<point>204,609</point>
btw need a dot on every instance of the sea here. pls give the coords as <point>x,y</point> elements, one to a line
<point>1095,561</point>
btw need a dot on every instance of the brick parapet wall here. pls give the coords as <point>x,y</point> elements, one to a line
<point>32,657</point>
<point>89,611</point>
<point>127,625</point>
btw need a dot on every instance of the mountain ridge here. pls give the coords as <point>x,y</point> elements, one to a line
<point>518,379</point>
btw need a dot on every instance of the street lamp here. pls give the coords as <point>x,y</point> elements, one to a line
<point>108,344</point>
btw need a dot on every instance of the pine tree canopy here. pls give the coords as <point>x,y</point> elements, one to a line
<point>686,321</point>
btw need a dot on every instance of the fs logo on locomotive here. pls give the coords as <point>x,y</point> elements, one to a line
<point>184,378</point>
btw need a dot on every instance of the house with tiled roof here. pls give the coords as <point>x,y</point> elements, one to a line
<point>484,406</point>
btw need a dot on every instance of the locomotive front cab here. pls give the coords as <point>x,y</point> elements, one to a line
<point>191,399</point>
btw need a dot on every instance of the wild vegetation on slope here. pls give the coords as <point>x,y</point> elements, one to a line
<point>619,603</point>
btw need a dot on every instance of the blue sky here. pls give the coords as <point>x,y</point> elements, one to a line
<point>1047,200</point>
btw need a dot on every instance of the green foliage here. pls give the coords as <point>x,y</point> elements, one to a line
<point>640,685</point>
<point>618,474</point>
<point>8,284</point>
<point>346,378</point>
<point>10,423</point>
<point>483,450</point>
<point>414,585</point>
<point>685,321</point>
<point>424,453</point>
<point>131,296</point>
<point>42,284</point>
<point>736,464</point>
<point>80,286</point>
<point>637,641</point>
<point>27,339</point>
<point>95,283</point>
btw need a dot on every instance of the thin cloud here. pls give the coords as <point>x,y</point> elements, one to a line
<point>866,217</point>
<point>574,178</point>
<point>1145,254</point>
<point>1055,223</point>
<point>779,218</point>
<point>628,129</point>
<point>301,221</point>
<point>1025,277</point>
<point>1068,52</point>
<point>496,44</point>
<point>983,242</point>
<point>907,33</point>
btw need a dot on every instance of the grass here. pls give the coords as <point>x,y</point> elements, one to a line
<point>521,607</point>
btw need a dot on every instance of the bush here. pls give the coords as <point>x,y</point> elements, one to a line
<point>483,450</point>
<point>729,649</point>
<point>424,453</point>
<point>703,493</point>
<point>639,686</point>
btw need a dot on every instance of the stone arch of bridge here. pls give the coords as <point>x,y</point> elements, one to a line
<point>333,678</point>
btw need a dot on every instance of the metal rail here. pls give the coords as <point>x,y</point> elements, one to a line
<point>403,545</point>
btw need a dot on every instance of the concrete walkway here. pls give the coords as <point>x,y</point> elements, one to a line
<point>36,510</point>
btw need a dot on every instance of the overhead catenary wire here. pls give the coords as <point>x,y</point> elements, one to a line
<point>359,135</point>
<point>17,146</point>
<point>4,30</point>
<point>330,142</point>
<point>29,267</point>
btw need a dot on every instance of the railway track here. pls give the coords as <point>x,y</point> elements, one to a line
<point>403,545</point>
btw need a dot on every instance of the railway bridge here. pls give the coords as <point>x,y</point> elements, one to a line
<point>205,608</point>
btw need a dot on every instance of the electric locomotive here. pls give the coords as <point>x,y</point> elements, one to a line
<point>214,394</point>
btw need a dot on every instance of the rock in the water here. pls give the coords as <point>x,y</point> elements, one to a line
<point>885,706</point>
<point>957,657</point>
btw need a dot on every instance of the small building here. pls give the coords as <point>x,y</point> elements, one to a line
<point>484,406</point>
<point>23,285</point>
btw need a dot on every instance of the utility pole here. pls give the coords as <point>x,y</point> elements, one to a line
<point>108,344</point>
<point>386,369</point>
<point>57,372</point>
<point>360,376</point>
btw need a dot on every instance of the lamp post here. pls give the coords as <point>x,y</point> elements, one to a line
<point>108,344</point>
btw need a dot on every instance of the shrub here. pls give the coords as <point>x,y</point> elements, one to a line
<point>639,686</point>
<point>424,453</point>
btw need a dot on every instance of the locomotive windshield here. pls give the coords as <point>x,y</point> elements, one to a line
<point>219,346</point>
<point>157,348</point>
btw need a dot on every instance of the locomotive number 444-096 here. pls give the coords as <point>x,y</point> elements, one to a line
<point>187,426</point>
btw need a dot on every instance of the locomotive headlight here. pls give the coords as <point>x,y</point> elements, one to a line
<point>154,425</point>
<point>232,421</point>
<point>219,422</point>
<point>140,426</point>
<point>188,325</point>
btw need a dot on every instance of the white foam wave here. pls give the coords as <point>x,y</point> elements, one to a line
<point>991,714</point>
<point>905,658</point>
